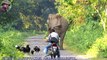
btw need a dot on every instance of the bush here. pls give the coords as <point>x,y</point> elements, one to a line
<point>8,40</point>
<point>81,38</point>
<point>99,47</point>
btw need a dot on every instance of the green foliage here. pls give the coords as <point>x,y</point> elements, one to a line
<point>89,24</point>
<point>82,38</point>
<point>75,12</point>
<point>99,47</point>
<point>70,1</point>
<point>8,40</point>
<point>28,14</point>
<point>83,10</point>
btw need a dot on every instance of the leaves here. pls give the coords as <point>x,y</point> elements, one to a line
<point>8,40</point>
<point>89,25</point>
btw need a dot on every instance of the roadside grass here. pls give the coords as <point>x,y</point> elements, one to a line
<point>87,40</point>
<point>10,38</point>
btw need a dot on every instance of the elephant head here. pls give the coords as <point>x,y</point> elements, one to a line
<point>58,23</point>
<point>54,21</point>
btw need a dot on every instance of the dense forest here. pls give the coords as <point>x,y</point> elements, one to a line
<point>27,15</point>
<point>23,19</point>
<point>86,34</point>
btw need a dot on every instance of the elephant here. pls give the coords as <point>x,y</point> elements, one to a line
<point>59,24</point>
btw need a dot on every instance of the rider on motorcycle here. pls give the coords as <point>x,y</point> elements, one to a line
<point>52,38</point>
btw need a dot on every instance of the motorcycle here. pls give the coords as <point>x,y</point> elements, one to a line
<point>54,51</point>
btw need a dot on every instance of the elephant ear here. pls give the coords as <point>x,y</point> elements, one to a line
<point>58,20</point>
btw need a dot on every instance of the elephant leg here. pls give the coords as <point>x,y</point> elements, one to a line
<point>61,45</point>
<point>61,41</point>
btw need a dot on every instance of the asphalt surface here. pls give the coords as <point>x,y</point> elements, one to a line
<point>40,42</point>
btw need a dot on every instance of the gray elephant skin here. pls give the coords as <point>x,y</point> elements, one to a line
<point>60,24</point>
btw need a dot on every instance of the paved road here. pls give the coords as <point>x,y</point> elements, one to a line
<point>38,41</point>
